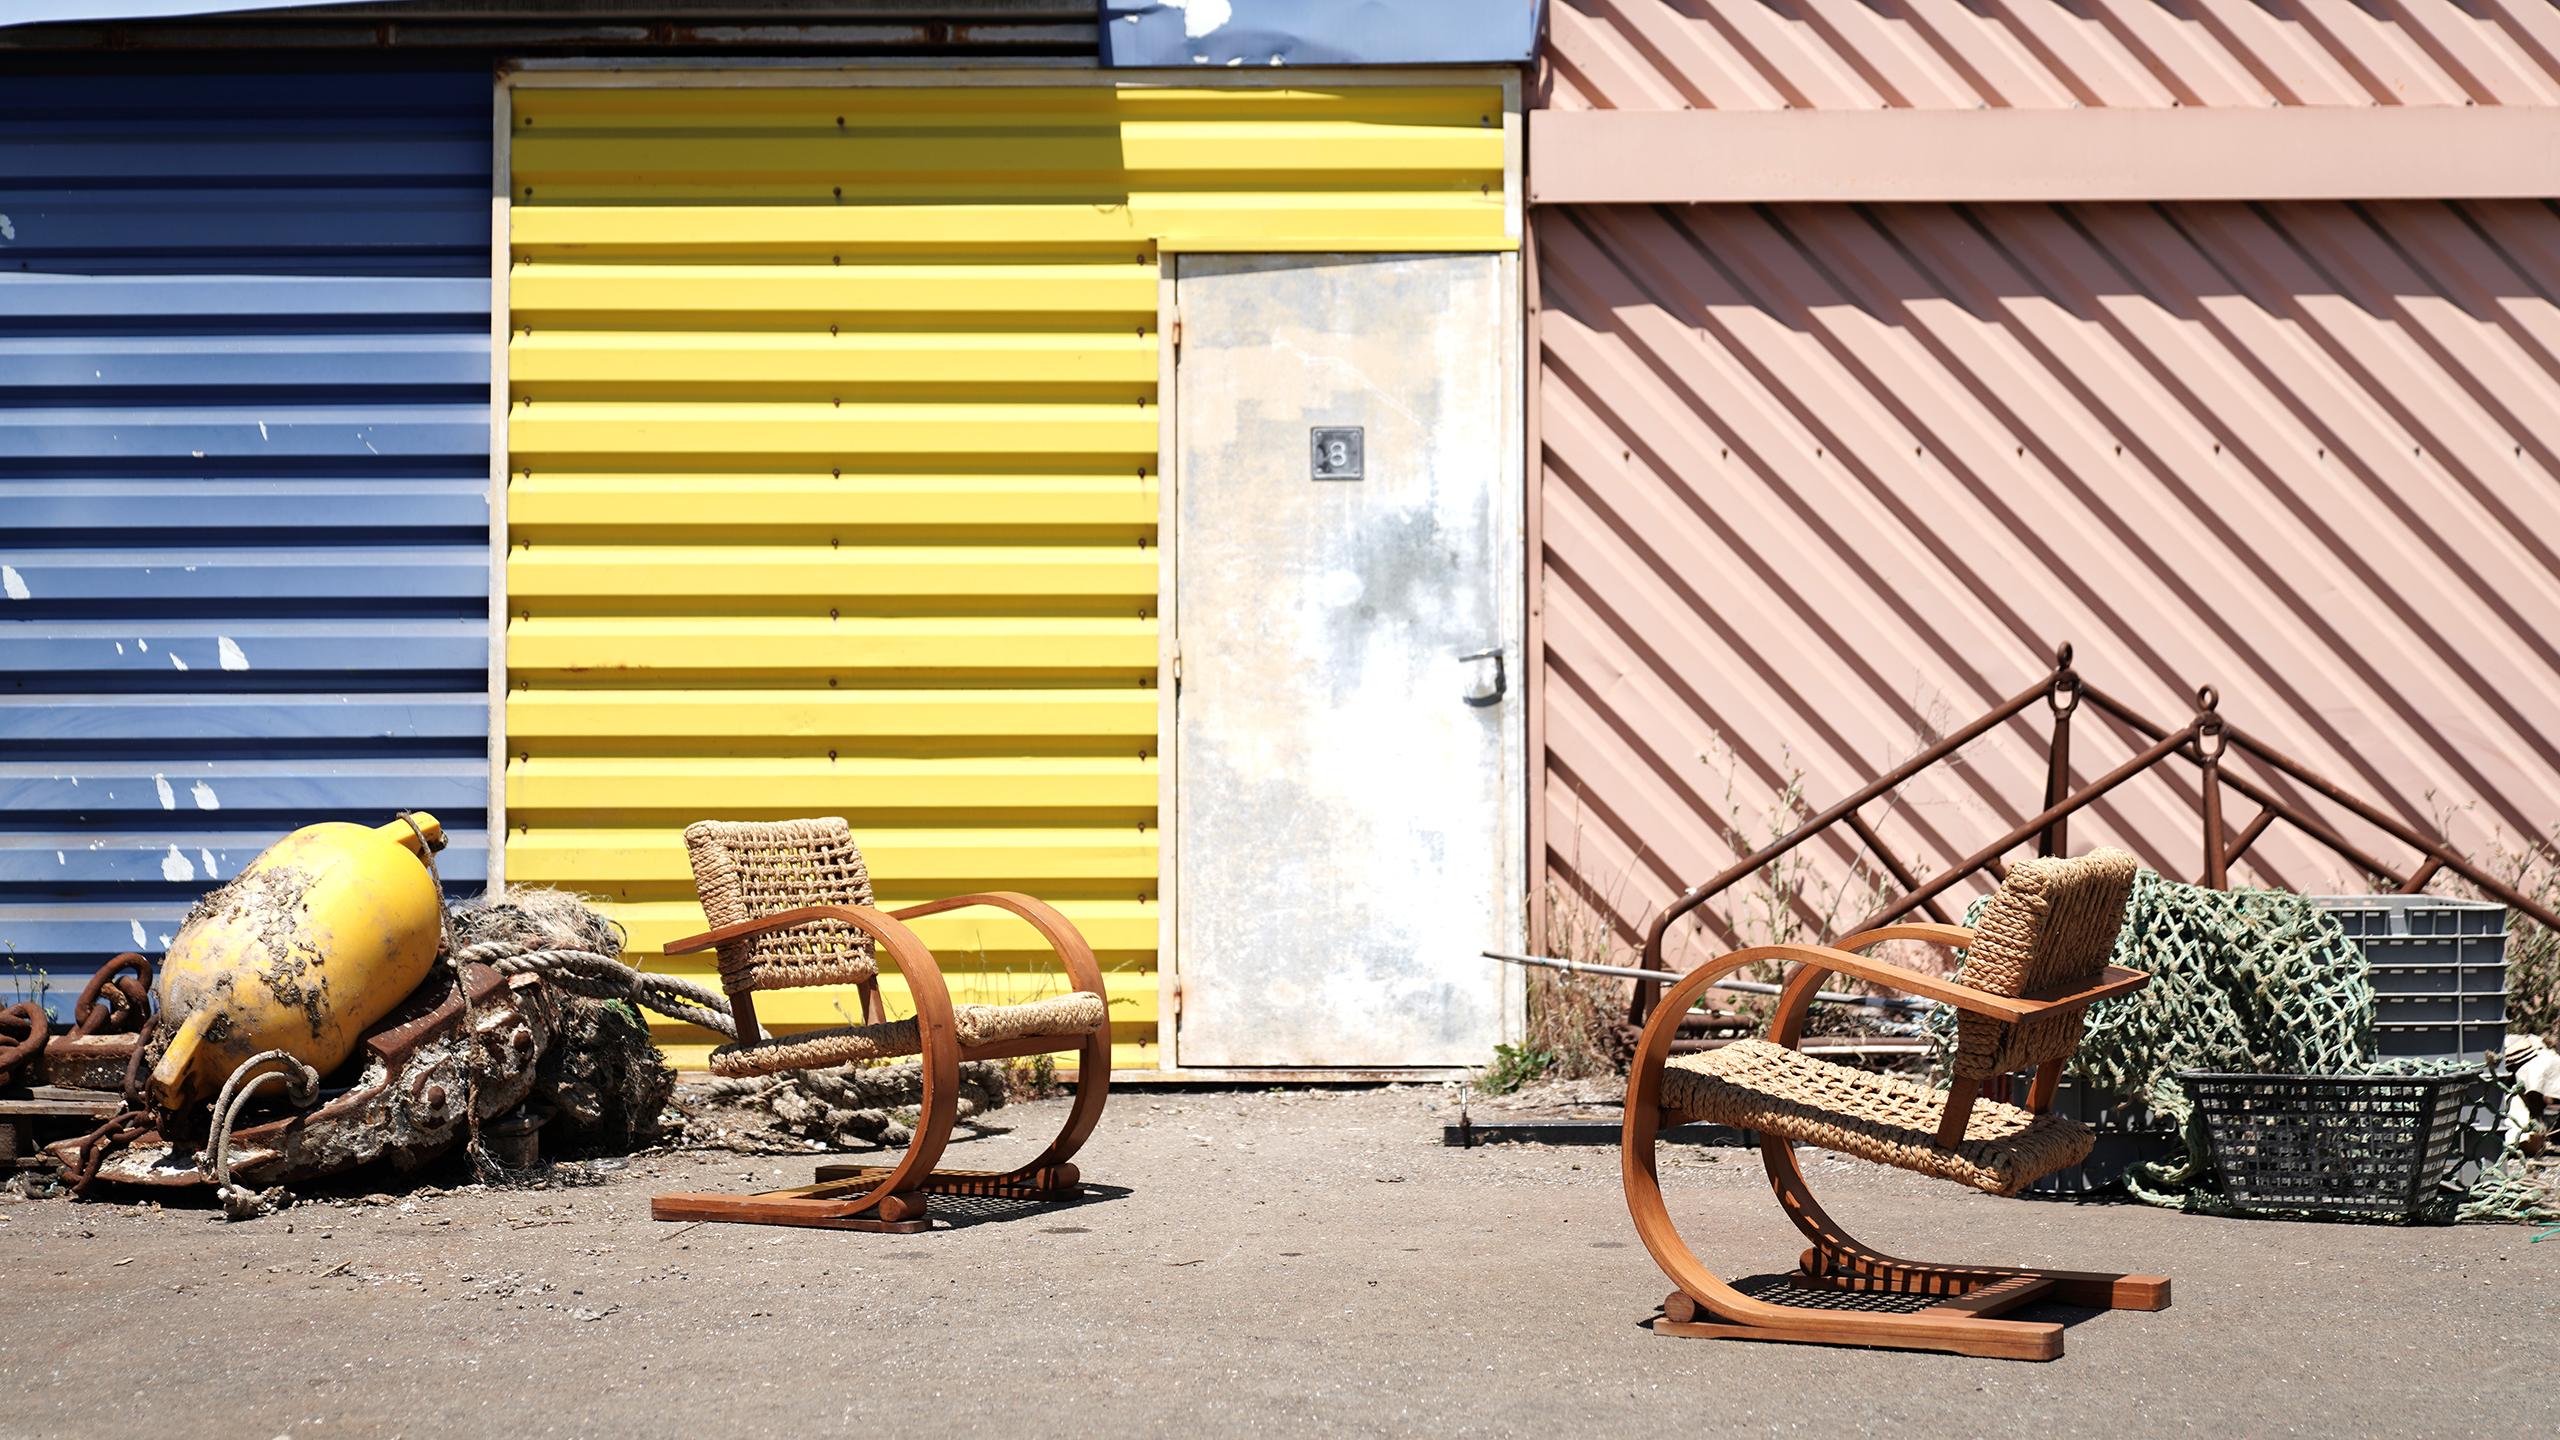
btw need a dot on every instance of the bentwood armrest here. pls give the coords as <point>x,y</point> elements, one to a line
<point>2115,981</point>
<point>1926,932</point>
<point>1074,954</point>
<point>856,916</point>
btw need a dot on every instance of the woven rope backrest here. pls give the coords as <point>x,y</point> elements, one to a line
<point>2053,923</point>
<point>747,870</point>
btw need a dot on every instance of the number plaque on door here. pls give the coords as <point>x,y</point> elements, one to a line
<point>1337,452</point>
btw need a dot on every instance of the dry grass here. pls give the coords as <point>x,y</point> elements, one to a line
<point>2533,953</point>
<point>1033,1079</point>
<point>1798,898</point>
<point>1577,1025</point>
<point>2532,867</point>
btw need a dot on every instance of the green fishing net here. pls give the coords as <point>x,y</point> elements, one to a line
<point>2258,982</point>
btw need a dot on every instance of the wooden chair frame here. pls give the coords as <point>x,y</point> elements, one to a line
<point>1965,1321</point>
<point>893,1198</point>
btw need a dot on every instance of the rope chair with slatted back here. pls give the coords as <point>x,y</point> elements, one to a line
<point>790,907</point>
<point>2033,965</point>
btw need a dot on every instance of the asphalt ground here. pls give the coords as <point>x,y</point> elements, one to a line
<point>1275,1263</point>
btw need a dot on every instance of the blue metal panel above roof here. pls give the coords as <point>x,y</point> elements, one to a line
<point>244,528</point>
<point>1319,32</point>
<point>1135,33</point>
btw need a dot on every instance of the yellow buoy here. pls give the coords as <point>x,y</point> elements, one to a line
<point>314,941</point>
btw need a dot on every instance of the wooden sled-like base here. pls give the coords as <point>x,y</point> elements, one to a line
<point>1951,1311</point>
<point>845,1197</point>
<point>1048,1183</point>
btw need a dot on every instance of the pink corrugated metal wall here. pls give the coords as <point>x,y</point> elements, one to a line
<point>2047,54</point>
<point>1820,481</point>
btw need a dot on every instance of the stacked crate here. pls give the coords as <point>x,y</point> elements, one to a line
<point>2439,971</point>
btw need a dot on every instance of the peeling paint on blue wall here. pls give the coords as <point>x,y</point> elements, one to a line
<point>1238,33</point>
<point>244,532</point>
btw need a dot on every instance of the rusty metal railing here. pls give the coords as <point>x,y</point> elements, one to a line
<point>2207,741</point>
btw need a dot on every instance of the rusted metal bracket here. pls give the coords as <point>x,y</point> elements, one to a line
<point>2207,740</point>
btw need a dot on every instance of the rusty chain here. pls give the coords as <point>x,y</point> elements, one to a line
<point>23,1030</point>
<point>95,1146</point>
<point>117,1000</point>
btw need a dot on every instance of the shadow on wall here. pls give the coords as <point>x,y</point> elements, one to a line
<point>1819,479</point>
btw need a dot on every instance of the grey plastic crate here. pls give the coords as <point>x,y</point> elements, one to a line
<point>2437,1042</point>
<point>2396,1010</point>
<point>2439,970</point>
<point>2422,929</point>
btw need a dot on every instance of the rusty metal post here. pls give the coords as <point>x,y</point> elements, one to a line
<point>2248,837</point>
<point>2064,697</point>
<point>2418,879</point>
<point>2211,737</point>
<point>1640,1005</point>
<point>2086,795</point>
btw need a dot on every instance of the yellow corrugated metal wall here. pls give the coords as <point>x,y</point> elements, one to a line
<point>833,440</point>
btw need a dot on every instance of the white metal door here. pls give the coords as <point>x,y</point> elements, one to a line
<point>1347,571</point>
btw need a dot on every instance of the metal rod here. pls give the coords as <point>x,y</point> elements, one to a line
<point>2434,849</point>
<point>2212,738</point>
<point>1699,894</point>
<point>2248,837</point>
<point>2217,869</point>
<point>1893,865</point>
<point>2309,825</point>
<point>1988,853</point>
<point>2057,773</point>
<point>1665,977</point>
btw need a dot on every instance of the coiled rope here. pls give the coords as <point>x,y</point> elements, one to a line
<point>302,1083</point>
<point>483,1166</point>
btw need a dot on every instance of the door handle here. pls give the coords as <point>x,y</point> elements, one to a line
<point>1501,681</point>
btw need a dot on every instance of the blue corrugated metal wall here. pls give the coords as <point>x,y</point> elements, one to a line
<point>243,485</point>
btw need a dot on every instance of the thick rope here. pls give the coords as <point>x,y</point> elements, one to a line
<point>483,1166</point>
<point>301,1084</point>
<point>598,976</point>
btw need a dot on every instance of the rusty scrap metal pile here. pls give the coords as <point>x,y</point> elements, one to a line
<point>400,1029</point>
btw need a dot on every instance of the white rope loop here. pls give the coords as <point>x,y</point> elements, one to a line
<point>302,1084</point>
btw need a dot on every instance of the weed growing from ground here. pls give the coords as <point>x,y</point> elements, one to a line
<point>1514,1066</point>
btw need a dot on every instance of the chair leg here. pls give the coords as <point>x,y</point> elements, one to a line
<point>1049,1176</point>
<point>1838,1260</point>
<point>891,1199</point>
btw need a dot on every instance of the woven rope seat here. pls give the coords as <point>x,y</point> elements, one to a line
<point>1757,1085</point>
<point>1072,1015</point>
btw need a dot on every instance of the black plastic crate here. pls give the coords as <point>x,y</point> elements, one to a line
<point>2364,1144</point>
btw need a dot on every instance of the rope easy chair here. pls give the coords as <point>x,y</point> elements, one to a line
<point>790,906</point>
<point>2034,965</point>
